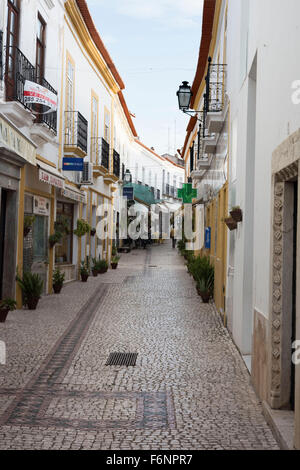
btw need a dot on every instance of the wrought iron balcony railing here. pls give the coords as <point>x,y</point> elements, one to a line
<point>215,87</point>
<point>116,163</point>
<point>76,130</point>
<point>18,70</point>
<point>104,154</point>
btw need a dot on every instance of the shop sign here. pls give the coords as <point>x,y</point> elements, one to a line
<point>207,238</point>
<point>51,179</point>
<point>16,142</point>
<point>41,206</point>
<point>72,164</point>
<point>74,195</point>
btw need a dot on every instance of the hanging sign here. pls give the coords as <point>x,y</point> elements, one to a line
<point>41,206</point>
<point>128,193</point>
<point>207,238</point>
<point>37,94</point>
<point>72,164</point>
<point>74,195</point>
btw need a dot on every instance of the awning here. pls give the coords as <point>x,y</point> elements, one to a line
<point>74,194</point>
<point>12,139</point>
<point>50,175</point>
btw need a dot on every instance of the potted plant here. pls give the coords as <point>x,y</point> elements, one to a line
<point>94,268</point>
<point>58,280</point>
<point>55,238</point>
<point>205,290</point>
<point>84,271</point>
<point>237,214</point>
<point>6,306</point>
<point>62,225</point>
<point>231,223</point>
<point>114,262</point>
<point>102,266</point>
<point>28,223</point>
<point>32,289</point>
<point>82,228</point>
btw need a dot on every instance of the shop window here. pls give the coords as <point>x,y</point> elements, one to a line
<point>63,250</point>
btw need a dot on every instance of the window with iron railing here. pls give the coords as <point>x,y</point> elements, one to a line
<point>76,130</point>
<point>116,163</point>
<point>20,71</point>
<point>215,87</point>
<point>105,154</point>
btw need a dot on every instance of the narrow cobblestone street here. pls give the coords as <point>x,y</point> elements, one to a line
<point>189,389</point>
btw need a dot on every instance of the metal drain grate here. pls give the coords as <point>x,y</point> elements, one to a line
<point>121,359</point>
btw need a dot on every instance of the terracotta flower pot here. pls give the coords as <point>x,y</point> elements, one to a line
<point>231,223</point>
<point>102,270</point>
<point>114,265</point>
<point>57,288</point>
<point>32,303</point>
<point>84,277</point>
<point>3,314</point>
<point>237,215</point>
<point>95,272</point>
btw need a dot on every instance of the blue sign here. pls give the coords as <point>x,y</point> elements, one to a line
<point>128,192</point>
<point>207,238</point>
<point>72,164</point>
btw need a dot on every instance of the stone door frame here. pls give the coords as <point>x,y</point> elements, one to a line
<point>285,170</point>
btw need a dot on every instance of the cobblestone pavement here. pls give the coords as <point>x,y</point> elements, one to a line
<point>188,390</point>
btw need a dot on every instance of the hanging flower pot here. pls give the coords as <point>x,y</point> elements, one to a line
<point>231,223</point>
<point>93,232</point>
<point>237,214</point>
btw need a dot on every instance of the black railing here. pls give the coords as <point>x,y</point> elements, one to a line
<point>116,161</point>
<point>215,87</point>
<point>105,154</point>
<point>123,171</point>
<point>76,130</point>
<point>158,194</point>
<point>1,55</point>
<point>19,69</point>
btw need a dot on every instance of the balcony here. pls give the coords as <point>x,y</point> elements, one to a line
<point>76,130</point>
<point>17,71</point>
<point>116,162</point>
<point>215,97</point>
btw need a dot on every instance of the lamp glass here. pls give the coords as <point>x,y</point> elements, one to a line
<point>184,96</point>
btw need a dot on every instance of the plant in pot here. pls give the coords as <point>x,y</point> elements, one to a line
<point>62,225</point>
<point>102,266</point>
<point>28,223</point>
<point>58,280</point>
<point>32,289</point>
<point>114,262</point>
<point>55,238</point>
<point>237,214</point>
<point>6,305</point>
<point>94,267</point>
<point>82,228</point>
<point>231,223</point>
<point>84,271</point>
<point>205,288</point>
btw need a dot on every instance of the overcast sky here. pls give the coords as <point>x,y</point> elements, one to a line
<point>154,45</point>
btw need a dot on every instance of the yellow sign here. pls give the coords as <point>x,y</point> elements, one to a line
<point>15,141</point>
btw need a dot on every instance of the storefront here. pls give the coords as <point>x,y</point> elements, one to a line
<point>15,151</point>
<point>70,206</point>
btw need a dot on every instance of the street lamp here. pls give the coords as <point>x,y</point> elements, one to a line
<point>127,177</point>
<point>184,95</point>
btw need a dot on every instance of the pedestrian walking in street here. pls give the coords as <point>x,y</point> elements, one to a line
<point>173,238</point>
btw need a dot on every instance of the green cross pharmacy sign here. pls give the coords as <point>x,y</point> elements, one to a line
<point>187,193</point>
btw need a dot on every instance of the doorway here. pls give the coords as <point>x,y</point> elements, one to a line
<point>294,292</point>
<point>3,199</point>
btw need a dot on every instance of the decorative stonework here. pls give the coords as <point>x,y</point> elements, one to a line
<point>285,168</point>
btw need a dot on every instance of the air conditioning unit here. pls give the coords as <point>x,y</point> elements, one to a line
<point>78,177</point>
<point>87,174</point>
